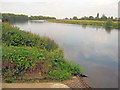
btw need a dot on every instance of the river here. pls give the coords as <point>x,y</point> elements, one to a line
<point>94,48</point>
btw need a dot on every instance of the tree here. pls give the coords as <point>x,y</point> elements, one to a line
<point>97,15</point>
<point>91,17</point>
<point>66,18</point>
<point>104,17</point>
<point>84,18</point>
<point>112,17</point>
<point>109,23</point>
<point>75,18</point>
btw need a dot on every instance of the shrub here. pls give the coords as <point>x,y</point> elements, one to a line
<point>59,75</point>
<point>109,23</point>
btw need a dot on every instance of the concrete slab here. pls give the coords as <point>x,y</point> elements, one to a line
<point>34,85</point>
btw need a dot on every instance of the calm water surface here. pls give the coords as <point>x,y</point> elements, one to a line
<point>95,49</point>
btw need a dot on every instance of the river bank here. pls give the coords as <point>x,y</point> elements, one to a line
<point>87,22</point>
<point>27,56</point>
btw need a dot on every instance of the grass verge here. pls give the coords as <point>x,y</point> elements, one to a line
<point>114,24</point>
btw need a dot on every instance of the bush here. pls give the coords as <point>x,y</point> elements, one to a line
<point>109,23</point>
<point>58,75</point>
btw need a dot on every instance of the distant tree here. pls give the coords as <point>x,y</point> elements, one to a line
<point>103,17</point>
<point>40,17</point>
<point>8,17</point>
<point>66,18</point>
<point>75,18</point>
<point>84,18</point>
<point>91,17</point>
<point>118,19</point>
<point>112,17</point>
<point>97,15</point>
<point>109,23</point>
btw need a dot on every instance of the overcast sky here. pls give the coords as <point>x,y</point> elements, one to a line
<point>61,8</point>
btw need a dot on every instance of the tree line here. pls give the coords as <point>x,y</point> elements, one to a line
<point>40,17</point>
<point>6,17</point>
<point>102,18</point>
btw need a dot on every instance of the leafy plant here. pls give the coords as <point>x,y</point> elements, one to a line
<point>8,80</point>
<point>25,53</point>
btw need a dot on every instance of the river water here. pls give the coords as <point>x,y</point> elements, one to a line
<point>94,48</point>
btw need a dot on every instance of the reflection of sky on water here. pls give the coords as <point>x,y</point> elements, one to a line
<point>94,49</point>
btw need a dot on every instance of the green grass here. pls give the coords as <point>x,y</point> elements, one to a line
<point>87,22</point>
<point>24,53</point>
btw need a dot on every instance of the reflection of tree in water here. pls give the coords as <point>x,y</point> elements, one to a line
<point>84,26</point>
<point>108,29</point>
<point>37,21</point>
<point>19,21</point>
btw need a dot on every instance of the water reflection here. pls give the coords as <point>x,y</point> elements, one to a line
<point>108,29</point>
<point>94,49</point>
<point>37,21</point>
<point>19,22</point>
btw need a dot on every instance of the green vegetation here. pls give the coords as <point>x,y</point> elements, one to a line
<point>8,17</point>
<point>109,23</point>
<point>98,18</point>
<point>15,37</point>
<point>75,18</point>
<point>24,54</point>
<point>114,24</point>
<point>8,81</point>
<point>40,17</point>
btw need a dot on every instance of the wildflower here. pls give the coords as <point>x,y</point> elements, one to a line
<point>48,38</point>
<point>11,61</point>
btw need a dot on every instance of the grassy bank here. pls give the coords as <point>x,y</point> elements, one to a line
<point>27,56</point>
<point>113,25</point>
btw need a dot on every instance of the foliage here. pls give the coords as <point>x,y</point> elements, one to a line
<point>109,23</point>
<point>58,75</point>
<point>75,18</point>
<point>103,17</point>
<point>97,15</point>
<point>20,58</point>
<point>13,36</point>
<point>91,18</point>
<point>13,17</point>
<point>9,17</point>
<point>40,17</point>
<point>84,18</point>
<point>8,80</point>
<point>87,22</point>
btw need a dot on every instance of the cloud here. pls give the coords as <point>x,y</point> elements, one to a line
<point>61,8</point>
